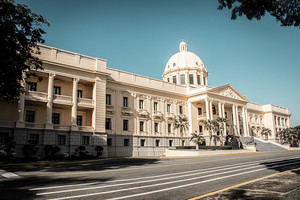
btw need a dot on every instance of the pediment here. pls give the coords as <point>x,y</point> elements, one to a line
<point>228,91</point>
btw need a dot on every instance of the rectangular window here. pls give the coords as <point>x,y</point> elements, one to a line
<point>141,104</point>
<point>182,79</point>
<point>200,129</point>
<point>79,93</point>
<point>33,139</point>
<point>168,108</point>
<point>3,138</point>
<point>109,142</point>
<point>170,143</point>
<point>226,115</point>
<point>204,80</point>
<point>168,79</point>
<point>108,99</point>
<point>61,139</point>
<point>30,116</point>
<point>198,80</point>
<point>126,142</point>
<point>31,86</point>
<point>79,120</point>
<point>174,79</point>
<point>57,90</point>
<point>199,111</point>
<point>155,106</point>
<point>191,77</point>
<point>169,128</point>
<point>141,126</point>
<point>142,142</point>
<point>157,143</point>
<point>85,140</point>
<point>125,125</point>
<point>125,102</point>
<point>55,118</point>
<point>214,110</point>
<point>180,110</point>
<point>155,127</point>
<point>108,124</point>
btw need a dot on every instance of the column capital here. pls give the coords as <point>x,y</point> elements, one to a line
<point>76,79</point>
<point>52,75</point>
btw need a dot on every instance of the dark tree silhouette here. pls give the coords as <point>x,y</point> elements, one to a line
<point>20,32</point>
<point>285,11</point>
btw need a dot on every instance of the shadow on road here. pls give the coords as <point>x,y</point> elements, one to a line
<point>88,166</point>
<point>11,189</point>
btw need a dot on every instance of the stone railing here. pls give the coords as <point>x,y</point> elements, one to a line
<point>36,96</point>
<point>62,127</point>
<point>52,54</point>
<point>143,113</point>
<point>62,99</point>
<point>7,124</point>
<point>85,128</point>
<point>170,116</point>
<point>201,118</point>
<point>35,125</point>
<point>157,114</point>
<point>85,102</point>
<point>126,111</point>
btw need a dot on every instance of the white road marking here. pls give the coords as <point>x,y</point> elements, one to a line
<point>7,174</point>
<point>171,182</point>
<point>170,174</point>
<point>153,180</point>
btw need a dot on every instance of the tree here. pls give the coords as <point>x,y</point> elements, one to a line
<point>212,126</point>
<point>181,123</point>
<point>198,139</point>
<point>222,123</point>
<point>290,135</point>
<point>265,132</point>
<point>20,32</point>
<point>285,11</point>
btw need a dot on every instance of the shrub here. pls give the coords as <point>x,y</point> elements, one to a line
<point>30,151</point>
<point>186,147</point>
<point>99,150</point>
<point>216,147</point>
<point>52,152</point>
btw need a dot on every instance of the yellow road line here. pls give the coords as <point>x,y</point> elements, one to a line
<point>241,184</point>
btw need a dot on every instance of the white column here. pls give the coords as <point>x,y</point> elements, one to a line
<point>247,124</point>
<point>237,119</point>
<point>244,121</point>
<point>219,109</point>
<point>190,118</point>
<point>201,79</point>
<point>223,116</point>
<point>50,100</point>
<point>74,101</point>
<point>233,120</point>
<point>211,111</point>
<point>207,109</point>
<point>95,106</point>
<point>206,81</point>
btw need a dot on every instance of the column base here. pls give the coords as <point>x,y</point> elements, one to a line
<point>48,126</point>
<point>20,124</point>
<point>74,128</point>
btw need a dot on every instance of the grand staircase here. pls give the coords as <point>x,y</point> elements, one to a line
<point>261,145</point>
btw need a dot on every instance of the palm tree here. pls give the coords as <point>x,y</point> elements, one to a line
<point>266,132</point>
<point>181,123</point>
<point>212,126</point>
<point>198,139</point>
<point>222,123</point>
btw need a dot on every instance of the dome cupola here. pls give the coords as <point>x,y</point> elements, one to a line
<point>185,68</point>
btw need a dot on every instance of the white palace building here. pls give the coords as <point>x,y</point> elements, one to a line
<point>76,100</point>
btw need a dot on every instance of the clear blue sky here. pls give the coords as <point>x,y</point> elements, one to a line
<point>260,59</point>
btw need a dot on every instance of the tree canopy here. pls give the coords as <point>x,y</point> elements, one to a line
<point>287,12</point>
<point>21,31</point>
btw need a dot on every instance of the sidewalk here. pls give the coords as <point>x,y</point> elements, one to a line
<point>280,186</point>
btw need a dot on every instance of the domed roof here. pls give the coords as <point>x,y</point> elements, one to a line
<point>184,59</point>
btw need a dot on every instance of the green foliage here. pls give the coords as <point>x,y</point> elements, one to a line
<point>80,152</point>
<point>266,132</point>
<point>215,126</point>
<point>290,135</point>
<point>198,139</point>
<point>52,152</point>
<point>216,147</point>
<point>30,151</point>
<point>99,150</point>
<point>181,123</point>
<point>20,32</point>
<point>285,11</point>
<point>8,148</point>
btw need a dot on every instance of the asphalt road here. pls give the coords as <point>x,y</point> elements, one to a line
<point>150,178</point>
